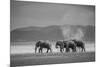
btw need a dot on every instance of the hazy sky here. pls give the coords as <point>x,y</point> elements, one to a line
<point>24,14</point>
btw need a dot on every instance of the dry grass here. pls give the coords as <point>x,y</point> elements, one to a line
<point>51,58</point>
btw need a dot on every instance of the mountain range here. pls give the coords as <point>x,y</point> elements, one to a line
<point>54,32</point>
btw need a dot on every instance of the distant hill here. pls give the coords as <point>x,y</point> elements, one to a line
<point>37,33</point>
<point>86,33</point>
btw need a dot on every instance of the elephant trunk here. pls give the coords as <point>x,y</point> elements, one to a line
<point>35,49</point>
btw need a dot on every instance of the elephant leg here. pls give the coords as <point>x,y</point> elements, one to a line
<point>50,50</point>
<point>61,50</point>
<point>47,50</point>
<point>79,49</point>
<point>73,49</point>
<point>83,49</point>
<point>67,49</point>
<point>39,50</point>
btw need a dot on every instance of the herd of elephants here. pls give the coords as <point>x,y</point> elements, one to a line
<point>67,45</point>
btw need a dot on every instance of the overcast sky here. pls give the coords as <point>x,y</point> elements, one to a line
<point>25,14</point>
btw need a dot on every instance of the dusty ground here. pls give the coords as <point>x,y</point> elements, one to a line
<point>51,58</point>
